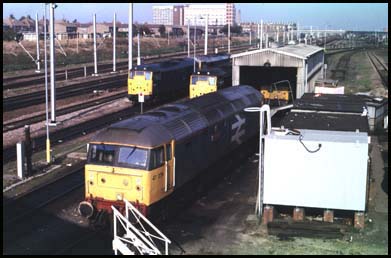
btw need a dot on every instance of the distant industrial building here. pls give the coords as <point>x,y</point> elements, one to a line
<point>179,15</point>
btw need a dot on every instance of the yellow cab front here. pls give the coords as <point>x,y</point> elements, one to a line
<point>140,175</point>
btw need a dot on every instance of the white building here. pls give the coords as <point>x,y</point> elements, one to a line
<point>162,15</point>
<point>218,14</point>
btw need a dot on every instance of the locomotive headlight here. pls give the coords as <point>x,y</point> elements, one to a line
<point>119,196</point>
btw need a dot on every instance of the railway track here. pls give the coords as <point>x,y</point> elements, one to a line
<point>379,67</point>
<point>38,97</point>
<point>9,152</point>
<point>339,72</point>
<point>25,206</point>
<point>14,124</point>
<point>38,78</point>
<point>34,216</point>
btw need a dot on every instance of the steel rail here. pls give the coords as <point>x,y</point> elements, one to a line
<point>15,124</point>
<point>34,78</point>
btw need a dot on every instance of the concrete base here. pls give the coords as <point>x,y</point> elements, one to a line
<point>268,214</point>
<point>328,216</point>
<point>359,220</point>
<point>94,74</point>
<point>298,214</point>
<point>112,72</point>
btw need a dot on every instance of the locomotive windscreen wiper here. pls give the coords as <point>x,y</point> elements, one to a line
<point>131,152</point>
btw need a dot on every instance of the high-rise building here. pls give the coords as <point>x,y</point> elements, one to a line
<point>230,13</point>
<point>162,15</point>
<point>178,15</point>
<point>238,17</point>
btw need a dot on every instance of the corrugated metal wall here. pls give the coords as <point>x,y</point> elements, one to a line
<point>281,60</point>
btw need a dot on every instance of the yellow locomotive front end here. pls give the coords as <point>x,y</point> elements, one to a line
<point>140,82</point>
<point>143,176</point>
<point>202,84</point>
<point>282,95</point>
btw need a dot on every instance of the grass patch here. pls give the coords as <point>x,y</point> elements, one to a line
<point>359,76</point>
<point>300,246</point>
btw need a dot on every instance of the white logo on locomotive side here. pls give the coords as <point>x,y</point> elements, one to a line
<point>239,131</point>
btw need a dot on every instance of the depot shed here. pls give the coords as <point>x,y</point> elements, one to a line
<point>300,64</point>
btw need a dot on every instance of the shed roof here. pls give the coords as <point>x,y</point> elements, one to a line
<point>329,122</point>
<point>300,51</point>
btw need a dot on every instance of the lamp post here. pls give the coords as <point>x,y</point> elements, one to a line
<point>37,35</point>
<point>188,37</point>
<point>195,31</point>
<point>206,36</point>
<point>261,40</point>
<point>138,49</point>
<point>114,35</point>
<point>48,159</point>
<point>52,63</point>
<point>229,37</point>
<point>95,55</point>
<point>130,37</point>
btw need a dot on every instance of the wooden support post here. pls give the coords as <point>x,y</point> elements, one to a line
<point>268,214</point>
<point>359,219</point>
<point>298,214</point>
<point>328,216</point>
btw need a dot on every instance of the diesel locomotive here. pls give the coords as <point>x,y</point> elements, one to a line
<point>278,93</point>
<point>163,80</point>
<point>214,72</point>
<point>148,158</point>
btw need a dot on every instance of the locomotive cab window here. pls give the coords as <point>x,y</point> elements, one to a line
<point>102,154</point>
<point>212,81</point>
<point>131,75</point>
<point>148,76</point>
<point>132,157</point>
<point>168,149</point>
<point>193,79</point>
<point>157,158</point>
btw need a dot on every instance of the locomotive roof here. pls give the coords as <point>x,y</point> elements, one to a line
<point>169,65</point>
<point>212,58</point>
<point>179,120</point>
<point>216,71</point>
